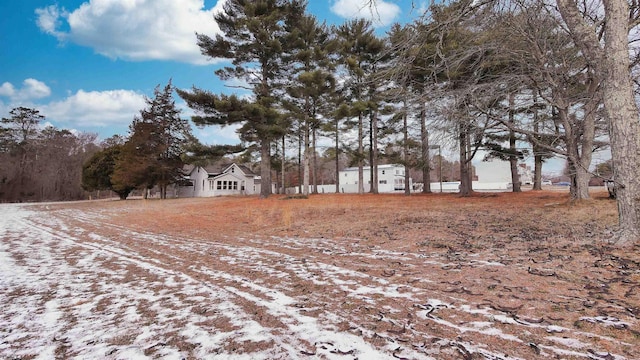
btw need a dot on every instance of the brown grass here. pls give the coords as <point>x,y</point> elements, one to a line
<point>559,267</point>
<point>483,220</point>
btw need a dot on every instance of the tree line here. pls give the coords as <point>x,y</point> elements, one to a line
<point>450,76</point>
<point>40,164</point>
<point>490,75</point>
<point>48,164</point>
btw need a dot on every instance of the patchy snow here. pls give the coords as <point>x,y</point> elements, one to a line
<point>75,286</point>
<point>607,321</point>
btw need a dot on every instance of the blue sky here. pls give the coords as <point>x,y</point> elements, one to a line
<point>87,65</point>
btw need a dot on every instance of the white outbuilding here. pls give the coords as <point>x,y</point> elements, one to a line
<point>390,179</point>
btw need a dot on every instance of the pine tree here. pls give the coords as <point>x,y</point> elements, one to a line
<point>253,34</point>
<point>359,49</point>
<point>312,82</point>
<point>153,153</point>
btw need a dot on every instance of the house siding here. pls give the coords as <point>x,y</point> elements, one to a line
<point>232,181</point>
<point>390,179</point>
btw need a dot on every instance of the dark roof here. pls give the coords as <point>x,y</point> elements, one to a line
<point>187,169</point>
<point>213,169</point>
<point>243,168</point>
<point>246,170</point>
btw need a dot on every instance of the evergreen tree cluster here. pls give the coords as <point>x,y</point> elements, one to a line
<point>507,81</point>
<point>153,155</point>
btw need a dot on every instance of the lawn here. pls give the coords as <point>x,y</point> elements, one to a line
<point>493,276</point>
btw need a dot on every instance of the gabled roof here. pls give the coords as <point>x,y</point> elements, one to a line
<point>187,169</point>
<point>216,170</point>
<point>212,170</point>
<point>245,170</point>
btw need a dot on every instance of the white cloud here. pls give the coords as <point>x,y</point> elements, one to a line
<point>7,89</point>
<point>135,29</point>
<point>106,112</point>
<point>49,20</point>
<point>383,13</point>
<point>217,135</point>
<point>113,108</point>
<point>34,89</point>
<point>31,89</point>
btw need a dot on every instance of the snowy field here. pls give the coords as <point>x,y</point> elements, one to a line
<point>75,285</point>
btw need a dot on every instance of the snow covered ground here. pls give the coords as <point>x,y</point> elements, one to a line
<point>75,285</point>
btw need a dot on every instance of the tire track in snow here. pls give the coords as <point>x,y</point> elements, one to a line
<point>299,327</point>
<point>147,249</point>
<point>253,258</point>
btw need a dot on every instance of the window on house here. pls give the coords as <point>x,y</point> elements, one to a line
<point>211,185</point>
<point>382,172</point>
<point>383,181</point>
<point>224,185</point>
<point>233,169</point>
<point>202,185</point>
<point>235,185</point>
<point>219,185</point>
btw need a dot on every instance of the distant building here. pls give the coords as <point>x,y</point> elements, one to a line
<point>215,181</point>
<point>526,174</point>
<point>390,179</point>
<point>495,174</point>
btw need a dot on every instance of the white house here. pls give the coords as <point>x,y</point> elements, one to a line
<point>210,181</point>
<point>495,174</point>
<point>390,179</point>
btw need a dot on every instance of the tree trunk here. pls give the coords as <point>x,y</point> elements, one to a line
<point>265,169</point>
<point>315,161</point>
<point>337,156</point>
<point>374,153</point>
<point>513,158</point>
<point>371,174</point>
<point>283,163</point>
<point>581,179</point>
<point>405,150</point>
<point>300,159</point>
<point>360,156</point>
<point>537,169</point>
<point>624,126</point>
<point>426,163</point>
<point>537,157</point>
<point>515,176</point>
<point>305,183</point>
<point>465,171</point>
